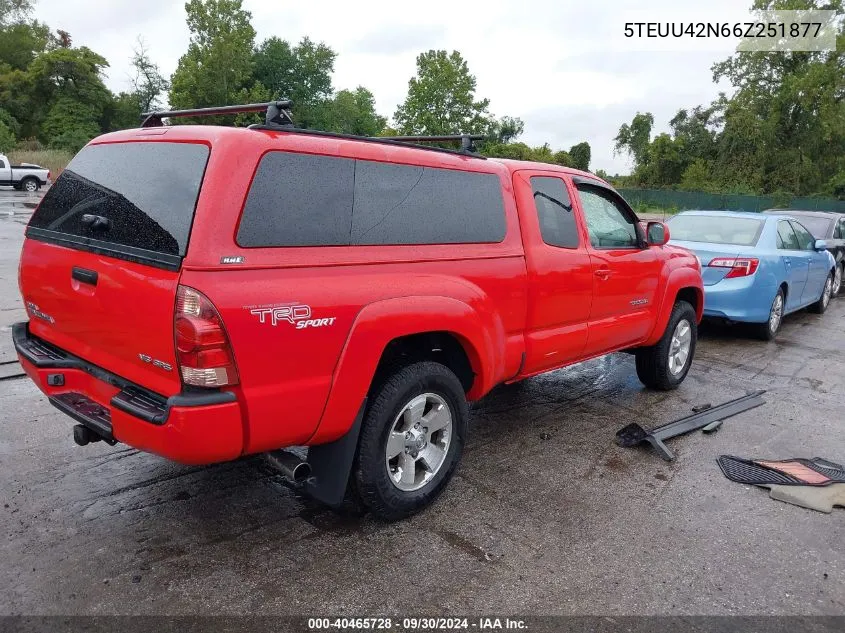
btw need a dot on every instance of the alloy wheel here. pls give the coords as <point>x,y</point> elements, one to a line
<point>419,441</point>
<point>828,287</point>
<point>679,347</point>
<point>776,314</point>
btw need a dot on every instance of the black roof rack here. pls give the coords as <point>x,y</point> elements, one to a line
<point>278,113</point>
<point>278,117</point>
<point>465,139</point>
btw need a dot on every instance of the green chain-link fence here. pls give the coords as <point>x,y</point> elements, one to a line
<point>682,200</point>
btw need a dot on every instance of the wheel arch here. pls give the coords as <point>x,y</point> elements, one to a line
<point>444,347</point>
<point>411,329</point>
<point>692,295</point>
<point>682,283</point>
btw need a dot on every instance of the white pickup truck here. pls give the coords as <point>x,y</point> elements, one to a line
<point>26,177</point>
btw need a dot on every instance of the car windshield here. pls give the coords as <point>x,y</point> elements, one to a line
<point>717,229</point>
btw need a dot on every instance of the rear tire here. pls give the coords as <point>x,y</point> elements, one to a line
<point>837,279</point>
<point>665,365</point>
<point>30,185</point>
<point>768,330</point>
<point>820,306</point>
<point>403,464</point>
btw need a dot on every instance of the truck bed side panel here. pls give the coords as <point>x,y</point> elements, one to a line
<point>288,328</point>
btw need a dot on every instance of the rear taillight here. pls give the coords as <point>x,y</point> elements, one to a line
<point>202,347</point>
<point>740,266</point>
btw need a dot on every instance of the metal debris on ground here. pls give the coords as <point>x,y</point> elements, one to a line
<point>712,427</point>
<point>634,434</point>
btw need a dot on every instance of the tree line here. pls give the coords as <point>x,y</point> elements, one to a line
<point>781,132</point>
<point>52,93</point>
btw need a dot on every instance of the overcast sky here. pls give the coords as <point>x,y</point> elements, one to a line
<point>564,67</point>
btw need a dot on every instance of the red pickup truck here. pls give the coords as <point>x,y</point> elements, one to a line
<point>206,292</point>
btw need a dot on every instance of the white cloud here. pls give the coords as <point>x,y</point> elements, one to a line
<point>551,63</point>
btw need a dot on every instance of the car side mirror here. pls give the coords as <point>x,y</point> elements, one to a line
<point>820,245</point>
<point>657,233</point>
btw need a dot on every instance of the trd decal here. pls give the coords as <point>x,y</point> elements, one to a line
<point>639,302</point>
<point>291,314</point>
<point>297,315</point>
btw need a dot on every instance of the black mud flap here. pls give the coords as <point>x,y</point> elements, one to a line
<point>331,464</point>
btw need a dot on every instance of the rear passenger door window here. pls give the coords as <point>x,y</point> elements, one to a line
<point>806,241</point>
<point>409,204</point>
<point>608,222</point>
<point>554,212</point>
<point>787,239</point>
<point>299,200</point>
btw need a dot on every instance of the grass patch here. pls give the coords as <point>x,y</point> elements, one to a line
<point>53,159</point>
<point>649,209</point>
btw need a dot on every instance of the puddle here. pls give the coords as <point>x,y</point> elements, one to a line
<point>17,203</point>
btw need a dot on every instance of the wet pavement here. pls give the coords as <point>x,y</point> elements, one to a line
<point>545,516</point>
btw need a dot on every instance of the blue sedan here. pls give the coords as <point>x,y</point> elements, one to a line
<point>756,268</point>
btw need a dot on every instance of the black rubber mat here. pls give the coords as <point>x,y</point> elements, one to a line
<point>788,472</point>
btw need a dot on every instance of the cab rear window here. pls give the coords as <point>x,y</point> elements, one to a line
<point>130,200</point>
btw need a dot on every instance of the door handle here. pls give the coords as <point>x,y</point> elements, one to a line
<point>603,273</point>
<point>96,222</point>
<point>786,261</point>
<point>84,275</point>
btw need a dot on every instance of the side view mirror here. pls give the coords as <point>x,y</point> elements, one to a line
<point>657,233</point>
<point>820,245</point>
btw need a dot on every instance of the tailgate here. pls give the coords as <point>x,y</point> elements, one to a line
<point>100,265</point>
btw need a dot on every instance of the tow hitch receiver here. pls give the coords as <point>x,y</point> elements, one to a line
<point>94,420</point>
<point>634,434</point>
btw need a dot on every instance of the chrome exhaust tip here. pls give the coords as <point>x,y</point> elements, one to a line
<point>290,465</point>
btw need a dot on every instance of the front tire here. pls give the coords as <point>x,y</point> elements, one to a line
<point>820,306</point>
<point>412,438</point>
<point>665,365</point>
